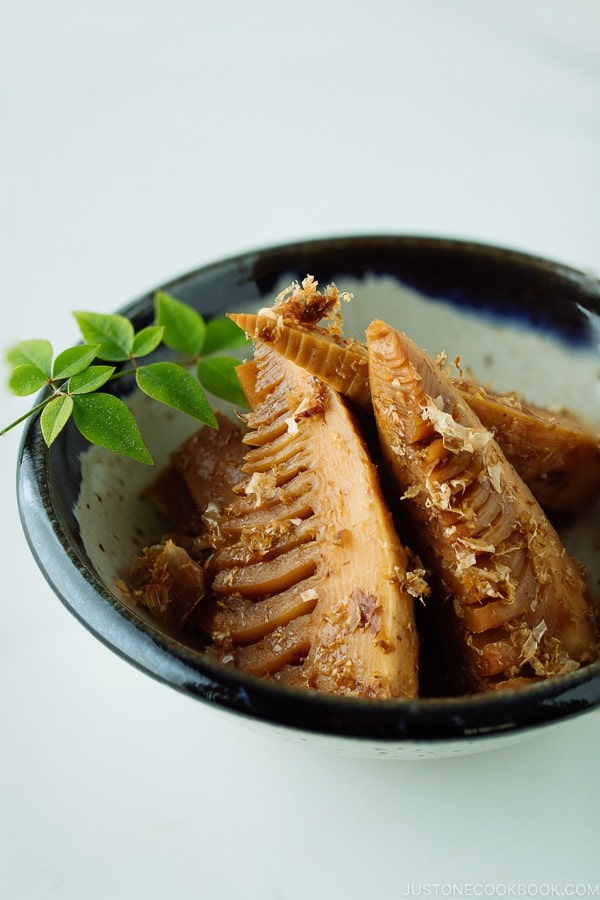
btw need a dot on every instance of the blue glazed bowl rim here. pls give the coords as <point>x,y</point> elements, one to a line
<point>170,661</point>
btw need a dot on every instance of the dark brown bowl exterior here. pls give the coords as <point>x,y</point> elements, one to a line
<point>506,284</point>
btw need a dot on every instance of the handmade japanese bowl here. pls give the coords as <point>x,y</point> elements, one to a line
<point>522,322</point>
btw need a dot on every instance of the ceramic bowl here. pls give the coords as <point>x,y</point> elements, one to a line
<point>516,320</point>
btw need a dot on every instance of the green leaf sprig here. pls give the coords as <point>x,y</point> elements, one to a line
<point>74,377</point>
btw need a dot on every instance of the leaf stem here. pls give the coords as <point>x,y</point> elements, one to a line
<point>121,374</point>
<point>31,412</point>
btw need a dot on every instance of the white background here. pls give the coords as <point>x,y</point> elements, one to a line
<point>139,140</point>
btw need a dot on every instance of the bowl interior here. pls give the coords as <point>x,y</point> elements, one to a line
<point>517,322</point>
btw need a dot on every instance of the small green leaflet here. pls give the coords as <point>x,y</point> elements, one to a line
<point>104,420</point>
<point>218,376</point>
<point>223,334</point>
<point>185,329</point>
<point>114,334</point>
<point>74,360</point>
<point>55,416</point>
<point>147,340</point>
<point>26,379</point>
<point>173,385</point>
<point>35,353</point>
<point>90,379</point>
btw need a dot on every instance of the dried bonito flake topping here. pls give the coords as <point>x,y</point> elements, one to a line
<point>304,302</point>
<point>454,436</point>
<point>261,485</point>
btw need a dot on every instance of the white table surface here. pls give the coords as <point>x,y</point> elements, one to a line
<point>139,140</point>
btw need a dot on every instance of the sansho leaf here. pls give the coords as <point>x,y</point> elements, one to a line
<point>114,333</point>
<point>106,421</point>
<point>185,329</point>
<point>36,353</point>
<point>147,340</point>
<point>74,360</point>
<point>218,376</point>
<point>173,385</point>
<point>26,379</point>
<point>55,416</point>
<point>90,379</point>
<point>223,334</point>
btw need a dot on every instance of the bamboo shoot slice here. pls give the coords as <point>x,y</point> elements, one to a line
<point>338,606</point>
<point>540,625</point>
